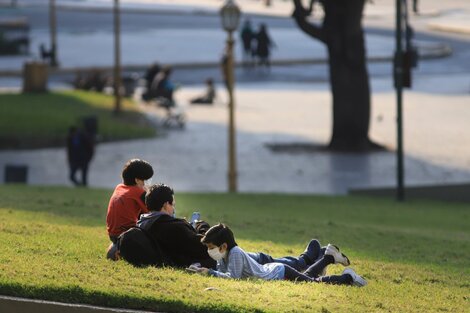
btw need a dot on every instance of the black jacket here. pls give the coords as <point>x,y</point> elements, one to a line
<point>178,240</point>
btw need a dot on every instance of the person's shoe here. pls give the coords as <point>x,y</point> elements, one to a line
<point>311,251</point>
<point>112,253</point>
<point>338,256</point>
<point>357,279</point>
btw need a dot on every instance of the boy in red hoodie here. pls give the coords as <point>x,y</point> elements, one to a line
<point>127,202</point>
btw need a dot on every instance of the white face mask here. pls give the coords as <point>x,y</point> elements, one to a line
<point>216,254</point>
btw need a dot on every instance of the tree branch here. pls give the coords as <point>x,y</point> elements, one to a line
<point>300,15</point>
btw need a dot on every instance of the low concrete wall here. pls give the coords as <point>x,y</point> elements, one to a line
<point>22,305</point>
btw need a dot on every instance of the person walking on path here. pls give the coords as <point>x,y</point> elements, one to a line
<point>80,150</point>
<point>247,36</point>
<point>264,43</point>
<point>415,7</point>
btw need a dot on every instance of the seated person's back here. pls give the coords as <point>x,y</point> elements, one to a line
<point>127,201</point>
<point>176,237</point>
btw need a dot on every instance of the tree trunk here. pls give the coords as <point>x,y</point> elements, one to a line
<point>343,34</point>
<point>349,78</point>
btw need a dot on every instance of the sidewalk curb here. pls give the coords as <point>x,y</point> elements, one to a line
<point>431,52</point>
<point>25,305</point>
<point>449,28</point>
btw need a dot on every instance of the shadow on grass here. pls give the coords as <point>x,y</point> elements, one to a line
<point>42,120</point>
<point>77,295</point>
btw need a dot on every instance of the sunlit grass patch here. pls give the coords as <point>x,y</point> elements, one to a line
<point>415,256</point>
<point>42,120</point>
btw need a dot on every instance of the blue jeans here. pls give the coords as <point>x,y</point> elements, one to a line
<point>262,258</point>
<point>298,263</point>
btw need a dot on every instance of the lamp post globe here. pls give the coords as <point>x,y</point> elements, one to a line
<point>230,14</point>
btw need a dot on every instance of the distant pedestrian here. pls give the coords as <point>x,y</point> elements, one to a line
<point>150,75</point>
<point>224,68</point>
<point>415,7</point>
<point>209,96</point>
<point>80,150</point>
<point>264,44</point>
<point>163,87</point>
<point>247,35</point>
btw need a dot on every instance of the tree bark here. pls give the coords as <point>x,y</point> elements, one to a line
<point>343,34</point>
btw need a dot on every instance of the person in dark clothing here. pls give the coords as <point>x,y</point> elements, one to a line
<point>162,85</point>
<point>415,7</point>
<point>178,240</point>
<point>150,75</point>
<point>247,36</point>
<point>181,243</point>
<point>208,97</point>
<point>264,44</point>
<point>80,150</point>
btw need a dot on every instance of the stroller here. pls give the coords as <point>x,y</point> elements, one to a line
<point>174,117</point>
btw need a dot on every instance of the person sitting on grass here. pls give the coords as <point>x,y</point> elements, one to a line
<point>181,242</point>
<point>127,202</point>
<point>233,262</point>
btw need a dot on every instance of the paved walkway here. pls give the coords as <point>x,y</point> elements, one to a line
<point>291,43</point>
<point>436,128</point>
<point>195,159</point>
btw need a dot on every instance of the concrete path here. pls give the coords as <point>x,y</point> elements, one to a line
<point>436,142</point>
<point>436,128</point>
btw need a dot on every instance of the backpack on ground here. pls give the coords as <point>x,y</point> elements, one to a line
<point>139,249</point>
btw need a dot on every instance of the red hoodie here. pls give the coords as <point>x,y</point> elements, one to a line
<point>124,209</point>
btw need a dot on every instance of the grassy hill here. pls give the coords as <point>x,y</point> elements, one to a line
<point>415,255</point>
<point>43,120</point>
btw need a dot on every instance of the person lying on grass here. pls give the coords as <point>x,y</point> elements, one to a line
<point>181,242</point>
<point>127,202</point>
<point>233,262</point>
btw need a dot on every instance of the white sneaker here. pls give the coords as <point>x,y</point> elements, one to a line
<point>357,279</point>
<point>338,256</point>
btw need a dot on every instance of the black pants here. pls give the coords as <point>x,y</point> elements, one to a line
<point>74,168</point>
<point>313,272</point>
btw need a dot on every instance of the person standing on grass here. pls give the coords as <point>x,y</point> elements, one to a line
<point>181,242</point>
<point>127,202</point>
<point>233,262</point>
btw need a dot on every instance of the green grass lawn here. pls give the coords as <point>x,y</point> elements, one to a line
<point>42,120</point>
<point>415,256</point>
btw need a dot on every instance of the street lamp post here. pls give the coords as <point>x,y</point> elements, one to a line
<point>398,71</point>
<point>117,59</point>
<point>230,14</point>
<point>53,32</point>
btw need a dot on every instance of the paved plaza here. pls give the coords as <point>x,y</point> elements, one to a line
<point>294,111</point>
